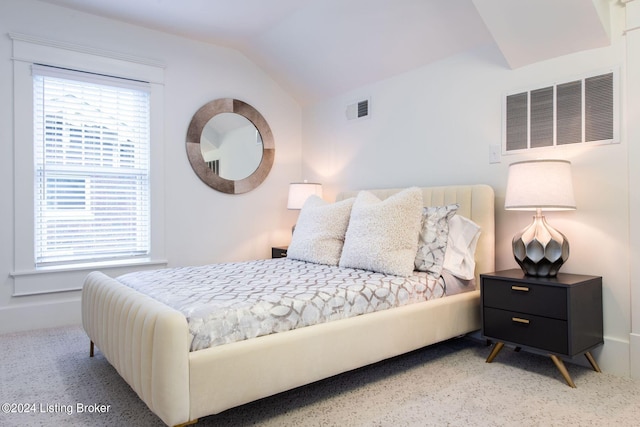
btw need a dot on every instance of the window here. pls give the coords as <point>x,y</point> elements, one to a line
<point>575,112</point>
<point>91,145</point>
<point>89,164</point>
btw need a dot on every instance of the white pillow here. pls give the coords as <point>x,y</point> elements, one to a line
<point>434,233</point>
<point>383,235</point>
<point>459,260</point>
<point>319,233</point>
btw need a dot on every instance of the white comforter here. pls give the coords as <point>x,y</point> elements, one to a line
<point>224,303</point>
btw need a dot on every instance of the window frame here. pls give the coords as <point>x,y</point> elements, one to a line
<point>28,50</point>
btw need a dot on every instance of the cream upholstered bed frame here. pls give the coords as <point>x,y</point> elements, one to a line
<point>148,342</point>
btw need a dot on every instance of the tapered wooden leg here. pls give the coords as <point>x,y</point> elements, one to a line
<point>188,423</point>
<point>592,361</point>
<point>91,349</point>
<point>563,370</point>
<point>494,352</point>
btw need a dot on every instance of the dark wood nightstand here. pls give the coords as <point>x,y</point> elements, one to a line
<point>558,316</point>
<point>279,252</point>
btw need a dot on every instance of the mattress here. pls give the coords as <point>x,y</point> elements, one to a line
<point>230,302</point>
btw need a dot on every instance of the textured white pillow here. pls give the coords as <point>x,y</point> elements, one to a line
<point>434,233</point>
<point>320,230</point>
<point>383,235</point>
<point>459,260</point>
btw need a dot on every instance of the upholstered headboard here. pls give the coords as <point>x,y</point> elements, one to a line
<point>476,203</point>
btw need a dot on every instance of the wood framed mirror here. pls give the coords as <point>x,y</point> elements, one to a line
<point>230,146</point>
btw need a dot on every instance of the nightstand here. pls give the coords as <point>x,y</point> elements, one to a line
<point>279,252</point>
<point>557,316</point>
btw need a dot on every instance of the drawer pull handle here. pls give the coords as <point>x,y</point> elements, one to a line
<point>520,320</point>
<point>520,288</point>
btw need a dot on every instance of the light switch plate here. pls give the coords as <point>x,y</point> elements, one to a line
<point>494,153</point>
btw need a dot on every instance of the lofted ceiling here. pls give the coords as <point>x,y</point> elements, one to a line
<point>321,48</point>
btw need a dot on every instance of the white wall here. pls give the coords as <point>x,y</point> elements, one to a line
<point>633,135</point>
<point>434,125</point>
<point>202,225</point>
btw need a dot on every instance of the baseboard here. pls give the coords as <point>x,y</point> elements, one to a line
<point>51,314</point>
<point>634,355</point>
<point>613,357</point>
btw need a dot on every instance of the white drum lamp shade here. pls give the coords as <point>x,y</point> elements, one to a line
<point>299,192</point>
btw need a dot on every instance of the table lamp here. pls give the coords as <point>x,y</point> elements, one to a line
<point>537,185</point>
<point>299,192</point>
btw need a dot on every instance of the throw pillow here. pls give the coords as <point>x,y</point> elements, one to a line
<point>319,232</point>
<point>459,259</point>
<point>383,234</point>
<point>432,243</point>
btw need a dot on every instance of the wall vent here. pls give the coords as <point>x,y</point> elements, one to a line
<point>358,110</point>
<point>579,111</point>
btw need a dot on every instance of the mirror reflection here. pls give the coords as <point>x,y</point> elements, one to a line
<point>231,146</point>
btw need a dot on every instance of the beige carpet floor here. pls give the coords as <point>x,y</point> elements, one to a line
<point>448,384</point>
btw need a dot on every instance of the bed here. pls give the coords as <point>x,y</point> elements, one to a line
<point>149,343</point>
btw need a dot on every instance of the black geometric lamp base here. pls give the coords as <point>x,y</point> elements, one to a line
<point>540,250</point>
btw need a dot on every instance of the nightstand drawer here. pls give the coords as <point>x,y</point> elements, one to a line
<point>279,252</point>
<point>540,300</point>
<point>526,329</point>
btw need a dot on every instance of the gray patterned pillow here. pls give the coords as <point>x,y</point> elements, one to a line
<point>382,235</point>
<point>432,243</point>
<point>320,230</point>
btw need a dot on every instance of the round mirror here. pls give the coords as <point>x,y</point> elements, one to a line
<point>230,146</point>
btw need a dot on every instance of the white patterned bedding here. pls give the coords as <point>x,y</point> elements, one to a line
<point>229,302</point>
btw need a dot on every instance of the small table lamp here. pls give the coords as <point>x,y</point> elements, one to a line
<point>299,192</point>
<point>538,185</point>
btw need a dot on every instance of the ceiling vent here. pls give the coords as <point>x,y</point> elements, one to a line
<point>358,110</point>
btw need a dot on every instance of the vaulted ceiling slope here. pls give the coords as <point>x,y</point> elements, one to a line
<point>322,48</point>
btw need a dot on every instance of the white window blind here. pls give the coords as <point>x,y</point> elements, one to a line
<point>91,147</point>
